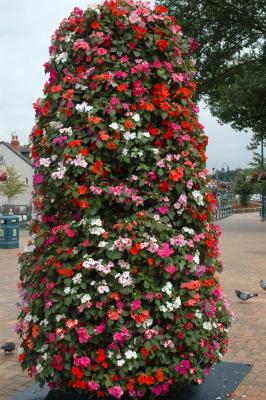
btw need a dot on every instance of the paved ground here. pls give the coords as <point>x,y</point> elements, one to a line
<point>243,247</point>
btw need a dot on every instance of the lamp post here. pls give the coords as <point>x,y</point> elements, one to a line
<point>262,194</point>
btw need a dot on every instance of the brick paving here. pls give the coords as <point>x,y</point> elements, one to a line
<point>243,247</point>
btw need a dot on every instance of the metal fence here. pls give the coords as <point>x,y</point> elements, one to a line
<point>223,211</point>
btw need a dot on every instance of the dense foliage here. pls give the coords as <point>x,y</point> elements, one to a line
<point>119,286</point>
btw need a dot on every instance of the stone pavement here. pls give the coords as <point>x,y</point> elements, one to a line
<point>243,247</point>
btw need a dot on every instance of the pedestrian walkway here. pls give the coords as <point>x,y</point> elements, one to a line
<point>243,248</point>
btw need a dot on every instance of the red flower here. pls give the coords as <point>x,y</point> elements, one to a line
<point>176,174</point>
<point>77,372</point>
<point>164,186</point>
<point>83,204</point>
<point>57,362</point>
<point>161,44</point>
<point>95,25</point>
<point>97,166</point>
<point>140,31</point>
<point>135,249</point>
<point>160,9</point>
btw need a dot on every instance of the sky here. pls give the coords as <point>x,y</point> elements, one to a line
<point>26,28</point>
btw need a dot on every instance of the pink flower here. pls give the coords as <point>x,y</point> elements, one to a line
<point>149,296</point>
<point>101,51</point>
<point>171,269</point>
<point>92,385</point>
<point>51,337</point>
<point>82,362</point>
<point>189,258</point>
<point>37,179</point>
<point>163,209</point>
<point>124,59</point>
<point>83,335</point>
<point>165,251</point>
<point>116,391</point>
<point>136,304</point>
<point>157,390</point>
<point>157,63</point>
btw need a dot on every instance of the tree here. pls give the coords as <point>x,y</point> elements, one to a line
<point>231,67</point>
<point>13,186</point>
<point>242,187</point>
<point>120,293</point>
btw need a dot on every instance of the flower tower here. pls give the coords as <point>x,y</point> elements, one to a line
<point>119,286</point>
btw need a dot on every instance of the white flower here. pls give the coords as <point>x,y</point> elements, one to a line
<point>114,126</point>
<point>97,231</point>
<point>56,125</point>
<point>148,323</point>
<point>102,244</point>
<point>130,135</point>
<point>39,368</point>
<point>163,308</point>
<point>198,197</point>
<point>129,354</point>
<point>177,303</point>
<point>103,289</point>
<point>45,356</point>
<point>207,326</point>
<point>61,58</point>
<point>123,264</point>
<point>167,288</point>
<point>28,317</point>
<point>84,299</point>
<point>59,317</point>
<point>67,290</point>
<point>188,230</point>
<point>125,279</point>
<point>156,217</point>
<point>44,322</point>
<point>29,248</point>
<point>120,362</point>
<point>83,107</point>
<point>125,152</point>
<point>45,161</point>
<point>110,354</point>
<point>198,314</point>
<point>96,222</point>
<point>196,258</point>
<point>20,350</point>
<point>136,117</point>
<point>77,279</point>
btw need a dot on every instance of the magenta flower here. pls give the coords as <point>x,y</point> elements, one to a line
<point>136,304</point>
<point>82,362</point>
<point>83,335</point>
<point>116,391</point>
<point>165,251</point>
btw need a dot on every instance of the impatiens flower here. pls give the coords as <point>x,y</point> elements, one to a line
<point>116,391</point>
<point>82,362</point>
<point>165,251</point>
<point>83,335</point>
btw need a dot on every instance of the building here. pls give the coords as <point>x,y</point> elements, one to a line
<point>18,156</point>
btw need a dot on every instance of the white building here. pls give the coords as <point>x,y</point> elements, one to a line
<point>17,156</point>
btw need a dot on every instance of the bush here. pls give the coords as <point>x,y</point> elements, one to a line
<point>120,292</point>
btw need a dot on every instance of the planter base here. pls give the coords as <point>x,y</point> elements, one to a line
<point>222,381</point>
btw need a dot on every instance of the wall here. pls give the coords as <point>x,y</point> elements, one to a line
<point>24,169</point>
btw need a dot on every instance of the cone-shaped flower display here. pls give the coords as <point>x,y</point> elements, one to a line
<point>119,287</point>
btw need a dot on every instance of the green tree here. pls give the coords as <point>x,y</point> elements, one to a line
<point>242,187</point>
<point>231,68</point>
<point>13,186</point>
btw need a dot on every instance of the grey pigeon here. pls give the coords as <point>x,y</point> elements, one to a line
<point>263,284</point>
<point>8,347</point>
<point>244,296</point>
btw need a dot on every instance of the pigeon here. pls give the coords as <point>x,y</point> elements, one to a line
<point>244,296</point>
<point>263,284</point>
<point>8,347</point>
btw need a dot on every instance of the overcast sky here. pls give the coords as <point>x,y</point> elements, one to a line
<point>26,27</point>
